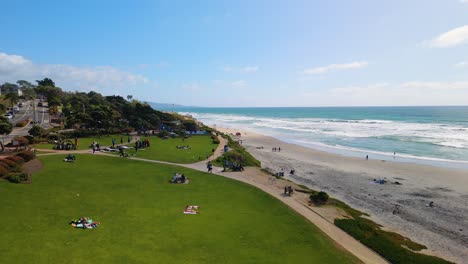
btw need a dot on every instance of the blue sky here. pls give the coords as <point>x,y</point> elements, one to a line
<point>244,53</point>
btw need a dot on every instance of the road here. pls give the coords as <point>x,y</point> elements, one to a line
<point>27,112</point>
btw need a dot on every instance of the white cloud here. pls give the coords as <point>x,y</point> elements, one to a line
<point>455,37</point>
<point>462,63</point>
<point>248,69</point>
<point>464,1</point>
<point>245,69</point>
<point>385,94</point>
<point>104,79</point>
<point>230,84</point>
<point>334,67</point>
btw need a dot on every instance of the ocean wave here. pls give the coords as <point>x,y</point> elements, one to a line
<point>331,130</point>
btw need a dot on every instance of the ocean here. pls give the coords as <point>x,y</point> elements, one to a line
<point>433,135</point>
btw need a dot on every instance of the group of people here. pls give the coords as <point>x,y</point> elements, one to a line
<point>288,190</point>
<point>139,144</point>
<point>96,147</point>
<point>183,147</point>
<point>64,145</point>
<point>233,166</point>
<point>275,149</point>
<point>85,223</point>
<point>177,178</point>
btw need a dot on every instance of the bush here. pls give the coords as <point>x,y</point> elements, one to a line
<point>387,244</point>
<point>14,178</point>
<point>21,123</point>
<point>27,155</point>
<point>36,131</point>
<point>12,166</point>
<point>163,133</point>
<point>3,172</point>
<point>24,177</point>
<point>19,160</point>
<point>320,197</point>
<point>216,141</point>
<point>21,140</point>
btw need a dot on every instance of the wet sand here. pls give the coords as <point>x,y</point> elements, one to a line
<point>443,228</point>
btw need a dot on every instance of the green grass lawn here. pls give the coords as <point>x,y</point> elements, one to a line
<point>85,143</point>
<point>201,147</point>
<point>166,149</point>
<point>142,219</point>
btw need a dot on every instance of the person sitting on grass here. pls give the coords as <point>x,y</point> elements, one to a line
<point>69,158</point>
<point>175,178</point>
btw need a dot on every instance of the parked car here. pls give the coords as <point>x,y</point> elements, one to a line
<point>15,109</point>
<point>39,104</point>
<point>9,116</point>
<point>20,104</point>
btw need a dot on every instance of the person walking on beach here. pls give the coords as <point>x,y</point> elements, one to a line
<point>279,149</point>
<point>367,157</point>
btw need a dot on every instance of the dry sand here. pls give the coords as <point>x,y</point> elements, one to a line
<point>442,228</point>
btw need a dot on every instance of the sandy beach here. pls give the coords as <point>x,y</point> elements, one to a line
<point>443,228</point>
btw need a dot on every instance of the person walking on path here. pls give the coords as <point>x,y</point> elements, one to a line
<point>209,166</point>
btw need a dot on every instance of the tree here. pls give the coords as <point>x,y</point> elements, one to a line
<point>13,97</point>
<point>129,97</point>
<point>53,103</point>
<point>46,82</point>
<point>8,88</point>
<point>36,131</point>
<point>5,128</point>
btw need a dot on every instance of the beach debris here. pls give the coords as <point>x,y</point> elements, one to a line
<point>378,181</point>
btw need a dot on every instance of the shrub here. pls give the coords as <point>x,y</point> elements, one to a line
<point>21,123</point>
<point>163,133</point>
<point>27,155</point>
<point>387,244</point>
<point>320,197</point>
<point>21,140</point>
<point>15,178</point>
<point>3,172</point>
<point>24,177</point>
<point>216,141</point>
<point>13,166</point>
<point>19,160</point>
<point>36,131</point>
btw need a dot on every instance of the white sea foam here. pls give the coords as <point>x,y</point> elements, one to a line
<point>332,132</point>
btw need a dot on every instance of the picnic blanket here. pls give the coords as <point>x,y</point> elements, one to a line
<point>191,209</point>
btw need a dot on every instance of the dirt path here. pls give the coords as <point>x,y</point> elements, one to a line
<point>274,187</point>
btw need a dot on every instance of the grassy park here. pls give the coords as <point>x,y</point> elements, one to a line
<point>166,149</point>
<point>142,221</point>
<point>160,149</point>
<point>85,143</point>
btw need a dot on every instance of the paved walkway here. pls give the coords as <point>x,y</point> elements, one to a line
<point>255,177</point>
